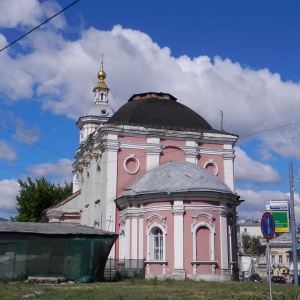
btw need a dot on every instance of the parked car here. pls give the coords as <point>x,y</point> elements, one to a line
<point>278,279</point>
<point>255,278</point>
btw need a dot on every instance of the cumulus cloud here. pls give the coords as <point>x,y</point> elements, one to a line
<point>6,152</point>
<point>249,170</point>
<point>254,204</point>
<point>59,172</point>
<point>16,13</point>
<point>9,190</point>
<point>62,73</point>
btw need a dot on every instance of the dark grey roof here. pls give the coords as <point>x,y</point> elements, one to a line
<point>161,111</point>
<point>51,229</point>
<point>177,176</point>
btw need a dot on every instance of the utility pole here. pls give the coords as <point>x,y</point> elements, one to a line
<point>293,225</point>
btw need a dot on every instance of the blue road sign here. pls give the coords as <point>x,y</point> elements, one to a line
<point>267,226</point>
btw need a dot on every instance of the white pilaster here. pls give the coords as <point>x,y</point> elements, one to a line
<point>75,183</point>
<point>228,167</point>
<point>110,164</point>
<point>153,153</point>
<point>178,211</point>
<point>224,240</point>
<point>141,238</point>
<point>192,152</point>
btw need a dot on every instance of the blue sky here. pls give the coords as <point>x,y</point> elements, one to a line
<point>238,57</point>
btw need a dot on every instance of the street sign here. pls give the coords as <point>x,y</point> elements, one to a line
<point>277,205</point>
<point>267,226</point>
<point>281,219</point>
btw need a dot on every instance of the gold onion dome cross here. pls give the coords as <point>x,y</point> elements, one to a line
<point>101,76</point>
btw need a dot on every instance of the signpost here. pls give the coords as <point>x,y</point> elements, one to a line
<point>267,226</point>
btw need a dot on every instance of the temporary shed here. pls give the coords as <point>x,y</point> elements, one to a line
<point>76,252</point>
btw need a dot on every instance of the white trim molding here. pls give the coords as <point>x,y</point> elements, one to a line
<point>131,157</point>
<point>211,162</point>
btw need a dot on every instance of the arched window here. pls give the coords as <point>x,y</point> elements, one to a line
<point>157,244</point>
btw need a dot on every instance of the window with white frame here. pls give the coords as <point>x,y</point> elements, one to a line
<point>157,241</point>
<point>273,259</point>
<point>280,259</point>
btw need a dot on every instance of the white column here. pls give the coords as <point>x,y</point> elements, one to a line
<point>153,152</point>
<point>134,238</point>
<point>224,240</point>
<point>127,239</point>
<point>141,238</point>
<point>228,167</point>
<point>178,211</point>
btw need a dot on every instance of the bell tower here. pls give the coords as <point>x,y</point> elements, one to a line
<point>100,112</point>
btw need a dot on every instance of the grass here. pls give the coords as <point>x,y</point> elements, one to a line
<point>149,289</point>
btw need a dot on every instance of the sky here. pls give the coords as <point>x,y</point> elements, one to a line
<point>239,59</point>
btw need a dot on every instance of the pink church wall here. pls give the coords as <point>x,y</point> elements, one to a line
<point>201,236</point>
<point>171,154</point>
<point>132,139</point>
<point>173,142</point>
<point>169,238</point>
<point>123,178</point>
<point>212,146</point>
<point>217,159</point>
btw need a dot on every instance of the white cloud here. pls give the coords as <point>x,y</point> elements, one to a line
<point>19,12</point>
<point>9,190</point>
<point>57,173</point>
<point>14,13</point>
<point>62,74</point>
<point>249,170</point>
<point>254,204</point>
<point>6,152</point>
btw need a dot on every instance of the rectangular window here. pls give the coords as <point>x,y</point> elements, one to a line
<point>273,259</point>
<point>158,247</point>
<point>287,259</point>
<point>157,244</point>
<point>280,259</point>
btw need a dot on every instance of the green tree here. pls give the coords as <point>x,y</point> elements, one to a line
<point>250,244</point>
<point>37,196</point>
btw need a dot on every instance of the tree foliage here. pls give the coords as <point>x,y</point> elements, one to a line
<point>250,244</point>
<point>36,196</point>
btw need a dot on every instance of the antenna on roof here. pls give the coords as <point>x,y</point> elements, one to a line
<point>221,120</point>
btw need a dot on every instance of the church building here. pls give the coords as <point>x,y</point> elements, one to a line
<point>160,176</point>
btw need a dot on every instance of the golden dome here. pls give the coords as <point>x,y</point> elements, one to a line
<point>101,76</point>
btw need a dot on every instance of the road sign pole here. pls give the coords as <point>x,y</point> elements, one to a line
<point>267,226</point>
<point>269,270</point>
<point>293,226</point>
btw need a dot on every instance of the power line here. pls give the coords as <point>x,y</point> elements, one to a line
<point>271,129</point>
<point>39,25</point>
<point>31,141</point>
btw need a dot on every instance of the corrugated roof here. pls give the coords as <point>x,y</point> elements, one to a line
<point>51,229</point>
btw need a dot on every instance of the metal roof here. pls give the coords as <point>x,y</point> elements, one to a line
<point>160,111</point>
<point>51,229</point>
<point>177,176</point>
